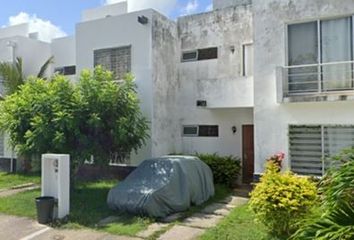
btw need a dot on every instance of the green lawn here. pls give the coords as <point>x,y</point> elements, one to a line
<point>8,180</point>
<point>88,207</point>
<point>239,225</point>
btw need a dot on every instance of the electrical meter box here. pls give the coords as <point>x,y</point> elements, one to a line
<point>56,181</point>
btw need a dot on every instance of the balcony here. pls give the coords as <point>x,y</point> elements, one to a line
<point>332,81</point>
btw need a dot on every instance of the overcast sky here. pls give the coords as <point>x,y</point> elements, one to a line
<point>57,18</point>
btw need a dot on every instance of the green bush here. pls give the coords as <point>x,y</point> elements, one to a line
<point>226,169</point>
<point>337,191</point>
<point>280,200</point>
<point>95,117</point>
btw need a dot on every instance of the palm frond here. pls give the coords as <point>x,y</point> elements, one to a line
<point>11,75</point>
<point>45,66</point>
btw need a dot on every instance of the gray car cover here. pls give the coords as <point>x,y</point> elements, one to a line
<point>161,186</point>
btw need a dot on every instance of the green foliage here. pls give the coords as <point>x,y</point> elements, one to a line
<point>282,199</point>
<point>226,169</point>
<point>13,76</point>
<point>94,117</point>
<point>337,186</point>
<point>337,190</point>
<point>337,224</point>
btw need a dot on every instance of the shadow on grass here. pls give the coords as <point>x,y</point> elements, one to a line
<point>89,206</point>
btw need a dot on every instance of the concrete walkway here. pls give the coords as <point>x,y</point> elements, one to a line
<point>193,227</point>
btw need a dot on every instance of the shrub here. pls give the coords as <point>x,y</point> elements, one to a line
<point>337,189</point>
<point>94,117</point>
<point>281,199</point>
<point>226,169</point>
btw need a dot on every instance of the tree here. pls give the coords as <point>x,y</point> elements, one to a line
<point>13,76</point>
<point>96,117</point>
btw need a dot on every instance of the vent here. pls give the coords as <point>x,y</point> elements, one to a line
<point>143,20</point>
<point>189,56</point>
<point>201,103</point>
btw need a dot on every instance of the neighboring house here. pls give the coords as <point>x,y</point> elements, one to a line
<point>204,80</point>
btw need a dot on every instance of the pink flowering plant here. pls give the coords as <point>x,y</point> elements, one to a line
<point>277,159</point>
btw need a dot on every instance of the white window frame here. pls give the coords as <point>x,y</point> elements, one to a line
<point>243,58</point>
<point>190,59</point>
<point>190,135</point>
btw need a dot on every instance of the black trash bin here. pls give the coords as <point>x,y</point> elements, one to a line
<point>45,207</point>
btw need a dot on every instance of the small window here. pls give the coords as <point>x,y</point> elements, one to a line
<point>118,60</point>
<point>247,60</point>
<point>208,131</point>
<point>190,131</point>
<point>311,146</point>
<point>189,56</point>
<point>207,53</point>
<point>200,54</point>
<point>67,70</point>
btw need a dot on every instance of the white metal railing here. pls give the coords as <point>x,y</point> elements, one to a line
<point>316,78</point>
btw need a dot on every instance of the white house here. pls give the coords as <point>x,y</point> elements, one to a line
<point>249,78</point>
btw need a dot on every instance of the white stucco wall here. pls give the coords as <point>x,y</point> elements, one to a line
<point>166,137</point>
<point>272,119</point>
<point>104,11</point>
<point>218,81</point>
<point>64,51</point>
<point>120,31</point>
<point>227,143</point>
<point>229,95</point>
<point>16,30</point>
<point>217,4</point>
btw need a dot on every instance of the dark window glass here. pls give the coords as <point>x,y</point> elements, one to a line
<point>208,131</point>
<point>207,53</point>
<point>190,130</point>
<point>189,56</point>
<point>117,60</point>
<point>68,70</point>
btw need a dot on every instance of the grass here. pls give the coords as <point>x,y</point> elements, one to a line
<point>238,225</point>
<point>8,180</point>
<point>221,192</point>
<point>88,207</point>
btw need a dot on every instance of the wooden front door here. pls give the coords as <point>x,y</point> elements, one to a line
<point>247,153</point>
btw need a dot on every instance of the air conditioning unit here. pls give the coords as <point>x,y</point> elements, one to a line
<point>201,103</point>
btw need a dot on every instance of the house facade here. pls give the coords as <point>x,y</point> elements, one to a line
<point>249,78</point>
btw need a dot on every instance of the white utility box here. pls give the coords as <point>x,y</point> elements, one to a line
<point>56,181</point>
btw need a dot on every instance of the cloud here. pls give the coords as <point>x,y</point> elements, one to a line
<point>164,6</point>
<point>190,8</point>
<point>46,30</point>
<point>209,7</point>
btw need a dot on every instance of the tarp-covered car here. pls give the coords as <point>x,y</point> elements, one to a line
<point>161,186</point>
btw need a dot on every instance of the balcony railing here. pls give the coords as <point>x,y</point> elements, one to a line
<point>316,78</point>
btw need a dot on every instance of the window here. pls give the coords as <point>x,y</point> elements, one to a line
<point>117,60</point>
<point>325,46</point>
<point>207,53</point>
<point>189,56</point>
<point>68,70</point>
<point>208,131</point>
<point>201,131</point>
<point>247,60</point>
<point>200,54</point>
<point>312,146</point>
<point>190,131</point>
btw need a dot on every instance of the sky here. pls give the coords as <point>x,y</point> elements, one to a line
<point>57,18</point>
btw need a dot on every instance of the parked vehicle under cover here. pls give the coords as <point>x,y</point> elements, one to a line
<point>161,186</point>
